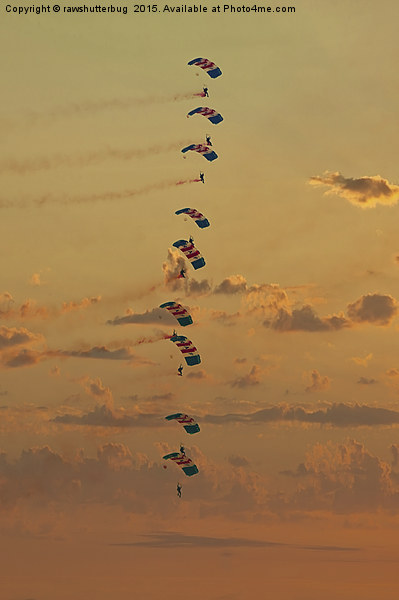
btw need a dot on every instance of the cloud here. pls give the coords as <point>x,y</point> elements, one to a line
<point>35,279</point>
<point>172,268</point>
<point>29,309</point>
<point>337,415</point>
<point>26,357</point>
<point>156,315</point>
<point>197,374</point>
<point>171,539</point>
<point>362,361</point>
<point>100,416</point>
<point>98,352</point>
<point>366,381</point>
<point>317,382</point>
<point>365,192</point>
<point>249,380</point>
<point>378,309</point>
<point>15,337</point>
<point>232,285</point>
<point>84,303</point>
<point>305,319</point>
<point>237,461</point>
<point>344,478</point>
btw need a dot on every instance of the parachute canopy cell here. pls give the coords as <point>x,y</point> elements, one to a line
<point>198,217</point>
<point>190,252</point>
<point>208,66</point>
<point>187,348</point>
<point>183,461</point>
<point>178,311</point>
<point>206,151</point>
<point>188,422</point>
<point>211,114</point>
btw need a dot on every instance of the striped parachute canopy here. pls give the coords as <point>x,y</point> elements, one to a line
<point>183,461</point>
<point>211,114</point>
<point>206,151</point>
<point>187,348</point>
<point>208,66</point>
<point>178,311</point>
<point>188,422</point>
<point>198,217</point>
<point>190,252</point>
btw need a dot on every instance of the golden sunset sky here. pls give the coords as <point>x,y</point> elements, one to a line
<point>296,313</point>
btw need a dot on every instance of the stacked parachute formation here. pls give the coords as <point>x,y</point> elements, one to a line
<point>191,252</point>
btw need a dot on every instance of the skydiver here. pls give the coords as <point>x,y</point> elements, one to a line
<point>180,371</point>
<point>182,450</point>
<point>206,95</point>
<point>178,488</point>
<point>191,239</point>
<point>208,140</point>
<point>174,334</point>
<point>182,273</point>
<point>202,177</point>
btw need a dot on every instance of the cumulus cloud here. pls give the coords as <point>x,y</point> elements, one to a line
<point>15,337</point>
<point>197,374</point>
<point>337,415</point>
<point>84,303</point>
<point>365,192</point>
<point>378,309</point>
<point>29,309</point>
<point>366,381</point>
<point>232,285</point>
<point>171,269</point>
<point>344,478</point>
<point>35,279</point>
<point>363,362</point>
<point>237,461</point>
<point>252,378</point>
<point>317,382</point>
<point>305,319</point>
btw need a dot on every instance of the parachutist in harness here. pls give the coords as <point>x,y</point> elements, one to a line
<point>208,140</point>
<point>182,273</point>
<point>182,450</point>
<point>180,371</point>
<point>191,239</point>
<point>202,177</point>
<point>178,488</point>
<point>206,95</point>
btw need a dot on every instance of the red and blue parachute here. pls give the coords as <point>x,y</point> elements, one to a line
<point>211,114</point>
<point>208,66</point>
<point>188,422</point>
<point>190,252</point>
<point>198,217</point>
<point>183,461</point>
<point>178,311</point>
<point>187,348</point>
<point>206,151</point>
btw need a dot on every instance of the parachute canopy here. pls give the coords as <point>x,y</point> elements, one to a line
<point>178,311</point>
<point>183,461</point>
<point>206,151</point>
<point>211,114</point>
<point>191,252</point>
<point>187,348</point>
<point>188,422</point>
<point>208,66</point>
<point>198,217</point>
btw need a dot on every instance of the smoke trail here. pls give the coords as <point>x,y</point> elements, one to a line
<point>81,160</point>
<point>122,195</point>
<point>94,107</point>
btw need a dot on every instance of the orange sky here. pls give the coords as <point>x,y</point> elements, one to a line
<point>295,313</point>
